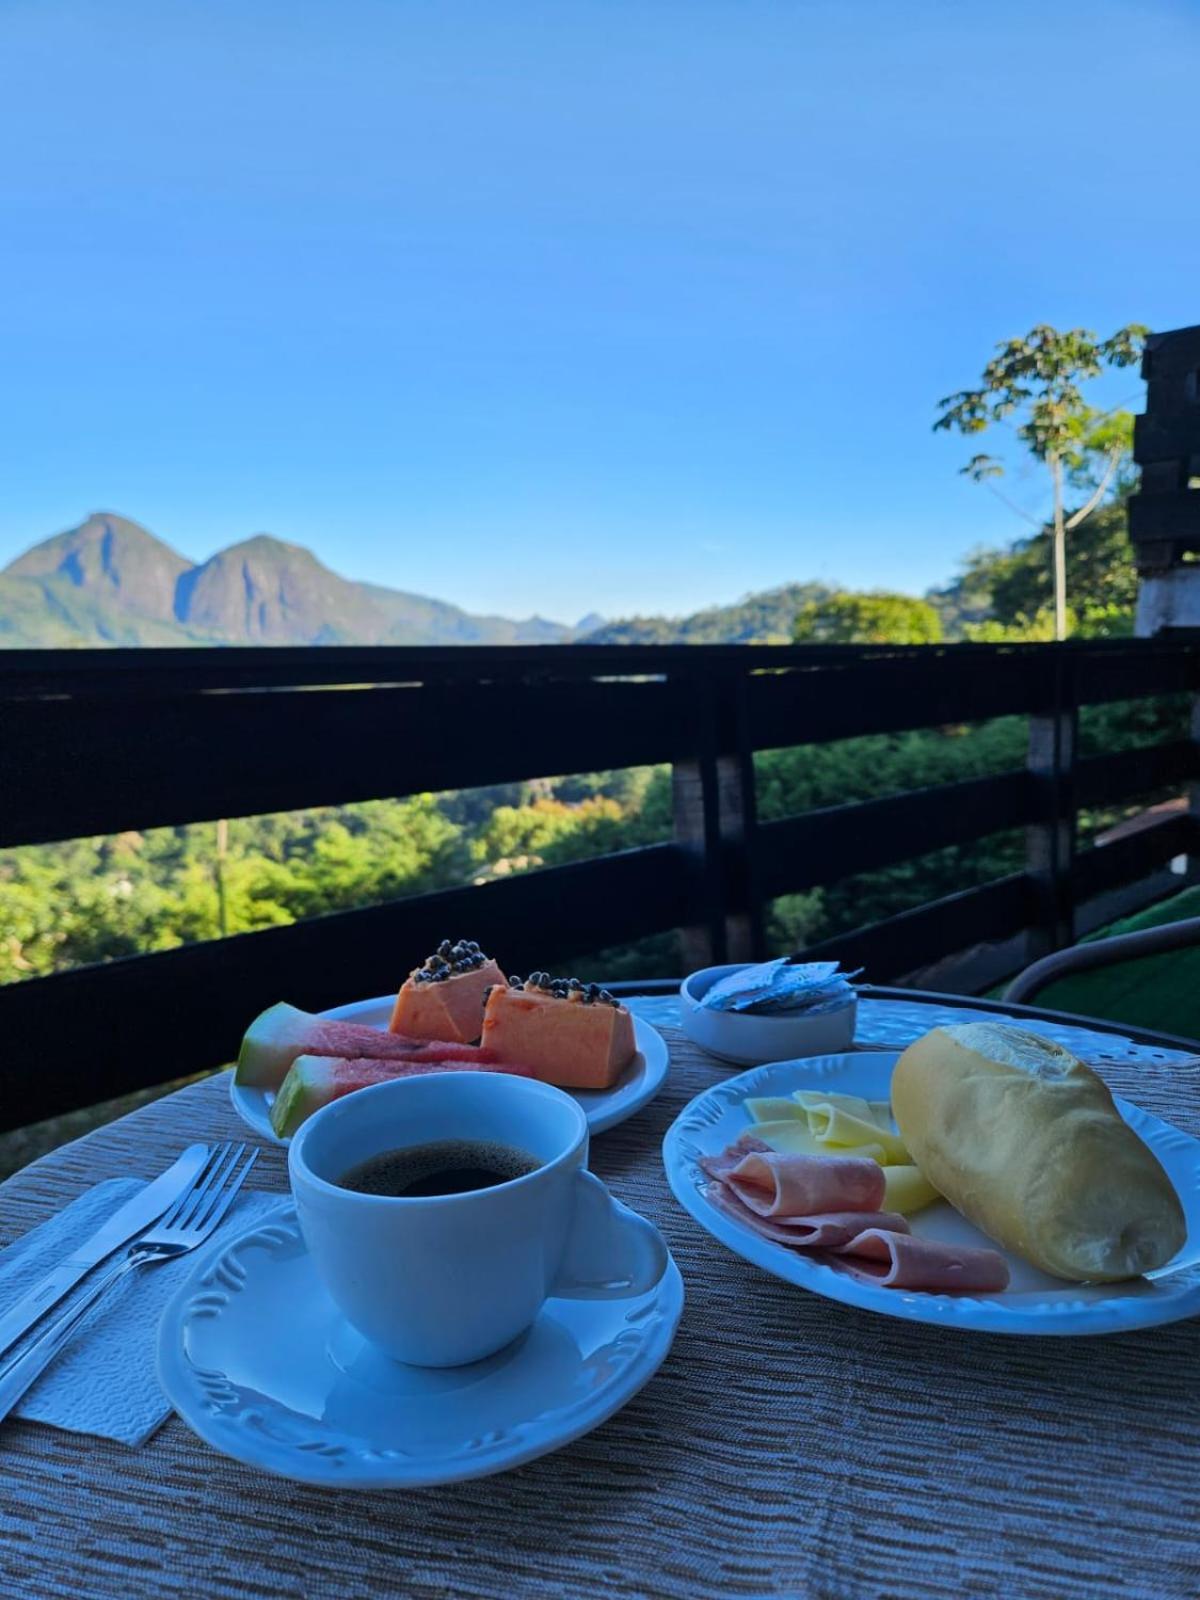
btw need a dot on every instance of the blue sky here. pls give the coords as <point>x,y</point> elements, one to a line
<point>566,306</point>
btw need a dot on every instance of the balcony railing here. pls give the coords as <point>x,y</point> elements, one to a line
<point>98,742</point>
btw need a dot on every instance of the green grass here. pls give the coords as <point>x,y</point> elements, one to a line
<point>1158,992</point>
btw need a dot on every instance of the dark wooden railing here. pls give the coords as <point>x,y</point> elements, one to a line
<point>1164,515</point>
<point>97,742</point>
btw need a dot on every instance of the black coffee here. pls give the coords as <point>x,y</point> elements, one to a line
<point>444,1166</point>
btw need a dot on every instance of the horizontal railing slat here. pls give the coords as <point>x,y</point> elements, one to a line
<point>1107,866</point>
<point>206,756</point>
<point>1104,676</point>
<point>1100,780</point>
<point>818,705</point>
<point>79,1037</point>
<point>819,847</point>
<point>901,944</point>
<point>148,673</point>
<point>465,721</point>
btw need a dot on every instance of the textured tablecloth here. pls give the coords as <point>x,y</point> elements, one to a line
<point>789,1446</point>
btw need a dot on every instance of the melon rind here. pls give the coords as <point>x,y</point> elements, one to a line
<point>305,1090</point>
<point>271,1043</point>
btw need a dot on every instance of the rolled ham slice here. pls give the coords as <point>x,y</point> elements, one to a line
<point>902,1261</point>
<point>831,1204</point>
<point>775,1185</point>
<point>718,1165</point>
<point>828,1232</point>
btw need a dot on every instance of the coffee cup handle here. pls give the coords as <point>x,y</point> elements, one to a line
<point>611,1252</point>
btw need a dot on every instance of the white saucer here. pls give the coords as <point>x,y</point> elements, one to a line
<point>1034,1302</point>
<point>604,1108</point>
<point>257,1361</point>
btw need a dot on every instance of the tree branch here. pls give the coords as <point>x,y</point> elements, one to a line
<point>1012,504</point>
<point>1086,510</point>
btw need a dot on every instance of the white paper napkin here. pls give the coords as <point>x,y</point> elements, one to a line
<point>105,1382</point>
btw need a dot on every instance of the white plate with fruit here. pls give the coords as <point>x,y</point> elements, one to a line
<point>560,1030</point>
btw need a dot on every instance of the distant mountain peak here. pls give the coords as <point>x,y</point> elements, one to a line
<point>97,528</point>
<point>111,581</point>
<point>268,544</point>
<point>114,559</point>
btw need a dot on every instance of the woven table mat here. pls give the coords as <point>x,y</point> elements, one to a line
<point>789,1446</point>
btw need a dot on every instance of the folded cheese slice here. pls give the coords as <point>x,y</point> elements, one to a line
<point>828,1123</point>
<point>791,1137</point>
<point>907,1189</point>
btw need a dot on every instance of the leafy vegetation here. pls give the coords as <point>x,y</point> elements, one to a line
<point>65,905</point>
<point>765,618</point>
<point>1035,384</point>
<point>1007,594</point>
<point>876,617</point>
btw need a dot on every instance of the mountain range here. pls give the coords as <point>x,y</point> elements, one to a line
<point>111,582</point>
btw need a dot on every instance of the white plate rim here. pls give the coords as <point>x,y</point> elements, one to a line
<point>987,1314</point>
<point>212,1282</point>
<point>604,1108</point>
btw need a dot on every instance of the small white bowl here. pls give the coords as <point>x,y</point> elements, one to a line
<point>748,1040</point>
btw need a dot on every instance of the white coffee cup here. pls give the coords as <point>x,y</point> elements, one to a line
<point>441,1280</point>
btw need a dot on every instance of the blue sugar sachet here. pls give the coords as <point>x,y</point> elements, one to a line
<point>782,986</point>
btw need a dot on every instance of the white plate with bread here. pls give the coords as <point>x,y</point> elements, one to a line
<point>1026,1139</point>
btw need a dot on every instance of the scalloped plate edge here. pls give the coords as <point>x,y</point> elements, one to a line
<point>183,1383</point>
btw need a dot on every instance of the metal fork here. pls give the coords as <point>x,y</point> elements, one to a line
<point>188,1223</point>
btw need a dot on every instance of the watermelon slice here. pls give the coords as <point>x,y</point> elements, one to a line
<point>280,1034</point>
<point>314,1081</point>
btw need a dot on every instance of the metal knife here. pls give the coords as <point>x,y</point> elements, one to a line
<point>136,1214</point>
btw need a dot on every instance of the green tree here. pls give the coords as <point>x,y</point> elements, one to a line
<point>876,617</point>
<point>1035,384</point>
<point>550,832</point>
<point>1009,593</point>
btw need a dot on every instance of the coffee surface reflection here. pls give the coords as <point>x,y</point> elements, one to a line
<point>440,1167</point>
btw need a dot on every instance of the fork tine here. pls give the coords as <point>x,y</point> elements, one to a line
<point>172,1213</point>
<point>223,1198</point>
<point>214,1176</point>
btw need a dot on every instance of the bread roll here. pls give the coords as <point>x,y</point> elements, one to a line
<point>1026,1142</point>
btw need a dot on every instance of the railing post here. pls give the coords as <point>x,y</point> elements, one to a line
<point>714,813</point>
<point>1050,841</point>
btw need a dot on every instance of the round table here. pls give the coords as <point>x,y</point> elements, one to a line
<point>789,1446</point>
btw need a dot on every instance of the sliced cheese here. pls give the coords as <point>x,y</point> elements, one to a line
<point>774,1108</point>
<point>840,1130</point>
<point>907,1190</point>
<point>791,1137</point>
<point>854,1105</point>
